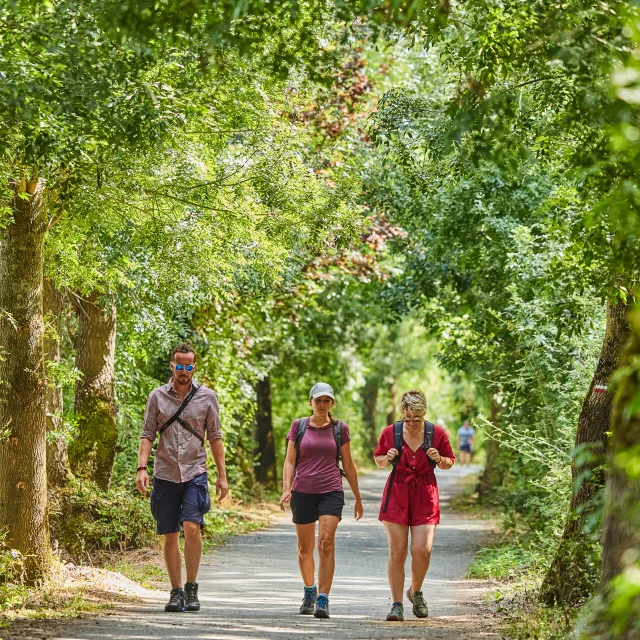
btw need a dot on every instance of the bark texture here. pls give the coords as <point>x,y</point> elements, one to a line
<point>621,541</point>
<point>93,451</point>
<point>493,472</point>
<point>393,409</point>
<point>266,467</point>
<point>571,577</point>
<point>369,414</point>
<point>23,384</point>
<point>58,469</point>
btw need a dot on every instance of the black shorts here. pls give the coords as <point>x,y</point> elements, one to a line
<point>466,447</point>
<point>173,503</point>
<point>308,507</point>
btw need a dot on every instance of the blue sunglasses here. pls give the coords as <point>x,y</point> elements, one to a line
<point>188,367</point>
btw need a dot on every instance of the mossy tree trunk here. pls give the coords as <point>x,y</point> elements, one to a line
<point>572,576</point>
<point>23,384</point>
<point>369,413</point>
<point>266,472</point>
<point>58,470</point>
<point>493,472</point>
<point>621,540</point>
<point>93,451</point>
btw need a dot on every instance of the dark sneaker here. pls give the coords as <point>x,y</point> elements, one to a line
<point>420,609</point>
<point>322,607</point>
<point>309,600</point>
<point>397,613</point>
<point>176,601</point>
<point>191,591</point>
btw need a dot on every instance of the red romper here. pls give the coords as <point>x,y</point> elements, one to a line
<point>414,496</point>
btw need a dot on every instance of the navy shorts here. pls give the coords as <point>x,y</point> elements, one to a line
<point>308,507</point>
<point>466,447</point>
<point>173,503</point>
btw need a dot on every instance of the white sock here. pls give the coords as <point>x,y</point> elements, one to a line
<point>313,586</point>
<point>326,595</point>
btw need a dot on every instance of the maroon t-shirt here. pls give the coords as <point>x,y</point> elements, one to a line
<point>317,471</point>
<point>414,462</point>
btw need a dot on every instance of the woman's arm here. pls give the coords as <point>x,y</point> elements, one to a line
<point>287,473</point>
<point>352,478</point>
<point>384,461</point>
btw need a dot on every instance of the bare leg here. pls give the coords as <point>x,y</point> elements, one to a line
<point>192,549</point>
<point>326,552</point>
<point>173,559</point>
<point>398,538</point>
<point>421,544</point>
<point>306,534</point>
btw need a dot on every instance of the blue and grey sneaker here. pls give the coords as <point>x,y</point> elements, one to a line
<point>322,607</point>
<point>309,600</point>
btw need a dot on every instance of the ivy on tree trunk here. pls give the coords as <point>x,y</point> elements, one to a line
<point>572,576</point>
<point>93,451</point>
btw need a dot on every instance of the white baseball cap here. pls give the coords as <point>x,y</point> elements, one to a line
<point>321,389</point>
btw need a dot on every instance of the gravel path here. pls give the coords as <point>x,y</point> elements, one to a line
<point>251,588</point>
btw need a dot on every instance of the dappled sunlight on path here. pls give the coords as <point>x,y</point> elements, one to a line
<point>251,588</point>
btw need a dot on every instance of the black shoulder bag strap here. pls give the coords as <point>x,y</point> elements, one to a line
<point>176,416</point>
<point>428,440</point>
<point>337,436</point>
<point>302,427</point>
<point>397,444</point>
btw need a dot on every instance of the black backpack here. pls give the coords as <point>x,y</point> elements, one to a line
<point>397,444</point>
<point>337,436</point>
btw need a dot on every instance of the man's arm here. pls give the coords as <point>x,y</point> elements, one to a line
<point>217,450</point>
<point>149,430</point>
<point>142,477</point>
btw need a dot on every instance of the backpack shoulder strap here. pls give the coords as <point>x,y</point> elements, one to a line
<point>337,436</point>
<point>397,436</point>
<point>428,439</point>
<point>302,427</point>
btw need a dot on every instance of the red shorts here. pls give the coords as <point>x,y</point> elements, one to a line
<point>413,501</point>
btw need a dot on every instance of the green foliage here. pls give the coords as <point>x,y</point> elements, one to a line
<point>86,520</point>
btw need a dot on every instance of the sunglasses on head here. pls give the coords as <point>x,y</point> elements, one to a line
<point>188,367</point>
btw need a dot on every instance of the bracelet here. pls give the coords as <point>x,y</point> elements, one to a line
<point>141,468</point>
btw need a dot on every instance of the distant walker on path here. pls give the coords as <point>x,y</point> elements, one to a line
<point>466,440</point>
<point>312,480</point>
<point>410,501</point>
<point>184,415</point>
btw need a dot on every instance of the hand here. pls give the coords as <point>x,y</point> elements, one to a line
<point>391,454</point>
<point>434,455</point>
<point>285,497</point>
<point>358,510</point>
<point>222,488</point>
<point>142,481</point>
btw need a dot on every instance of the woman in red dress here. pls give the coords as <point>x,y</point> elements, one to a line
<point>412,502</point>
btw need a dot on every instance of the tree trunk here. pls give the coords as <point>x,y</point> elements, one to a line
<point>571,577</point>
<point>93,451</point>
<point>621,542</point>
<point>58,470</point>
<point>493,469</point>
<point>370,399</point>
<point>266,467</point>
<point>23,384</point>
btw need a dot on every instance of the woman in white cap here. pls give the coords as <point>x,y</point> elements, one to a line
<point>312,480</point>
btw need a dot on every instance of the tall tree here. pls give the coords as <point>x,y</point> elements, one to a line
<point>570,579</point>
<point>265,469</point>
<point>23,384</point>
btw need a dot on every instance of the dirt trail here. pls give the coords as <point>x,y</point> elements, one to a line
<point>251,588</point>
